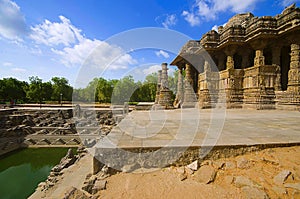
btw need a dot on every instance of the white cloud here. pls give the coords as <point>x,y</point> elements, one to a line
<point>56,33</point>
<point>96,53</point>
<point>152,69</point>
<point>162,53</point>
<point>215,28</point>
<point>169,21</point>
<point>12,22</point>
<point>286,3</point>
<point>74,48</point>
<point>7,64</point>
<point>191,18</point>
<point>208,10</point>
<point>155,68</point>
<point>19,70</point>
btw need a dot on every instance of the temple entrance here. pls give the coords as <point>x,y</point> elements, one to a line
<point>285,66</point>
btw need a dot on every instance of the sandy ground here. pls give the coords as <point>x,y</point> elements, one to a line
<point>270,173</point>
<point>260,168</point>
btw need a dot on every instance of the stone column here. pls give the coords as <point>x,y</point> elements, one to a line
<point>294,72</point>
<point>276,62</point>
<point>158,86</point>
<point>164,76</point>
<point>188,75</point>
<point>189,93</point>
<point>179,96</point>
<point>259,59</point>
<point>165,95</point>
<point>230,62</point>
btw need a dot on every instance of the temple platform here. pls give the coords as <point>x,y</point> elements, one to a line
<point>204,127</point>
<point>156,139</point>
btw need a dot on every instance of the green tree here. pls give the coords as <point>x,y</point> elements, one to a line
<point>35,93</point>
<point>104,90</point>
<point>61,88</point>
<point>13,89</point>
<point>123,90</point>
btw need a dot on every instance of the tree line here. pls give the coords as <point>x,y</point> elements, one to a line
<point>35,91</point>
<point>98,90</point>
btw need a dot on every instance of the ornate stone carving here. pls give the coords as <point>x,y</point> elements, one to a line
<point>158,86</point>
<point>259,59</point>
<point>165,95</point>
<point>190,98</point>
<point>179,96</point>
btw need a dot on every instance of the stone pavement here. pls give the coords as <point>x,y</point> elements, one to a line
<point>204,127</point>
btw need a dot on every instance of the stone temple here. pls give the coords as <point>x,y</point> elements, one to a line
<point>251,62</point>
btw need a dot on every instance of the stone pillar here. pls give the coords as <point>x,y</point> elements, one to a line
<point>188,74</point>
<point>294,72</point>
<point>179,96</point>
<point>189,93</point>
<point>276,62</point>
<point>164,76</point>
<point>230,62</point>
<point>259,59</point>
<point>165,95</point>
<point>158,86</point>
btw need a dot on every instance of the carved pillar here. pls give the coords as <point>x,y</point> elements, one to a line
<point>230,62</point>
<point>158,86</point>
<point>164,76</point>
<point>294,72</point>
<point>188,74</point>
<point>189,94</point>
<point>165,95</point>
<point>276,62</point>
<point>259,59</point>
<point>179,96</point>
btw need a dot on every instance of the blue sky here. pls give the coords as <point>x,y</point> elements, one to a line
<point>55,38</point>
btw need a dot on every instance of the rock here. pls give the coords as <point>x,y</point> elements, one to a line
<point>193,166</point>
<point>74,193</point>
<point>219,164</point>
<point>241,181</point>
<point>228,179</point>
<point>230,165</point>
<point>279,190</point>
<point>206,174</point>
<point>89,184</point>
<point>182,175</point>
<point>243,163</point>
<point>206,162</point>
<point>99,185</point>
<point>249,192</point>
<point>188,171</point>
<point>280,178</point>
<point>292,185</point>
<point>69,154</point>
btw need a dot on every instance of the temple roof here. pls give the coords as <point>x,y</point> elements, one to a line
<point>243,28</point>
<point>239,20</point>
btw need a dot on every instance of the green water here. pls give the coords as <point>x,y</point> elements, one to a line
<point>21,171</point>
